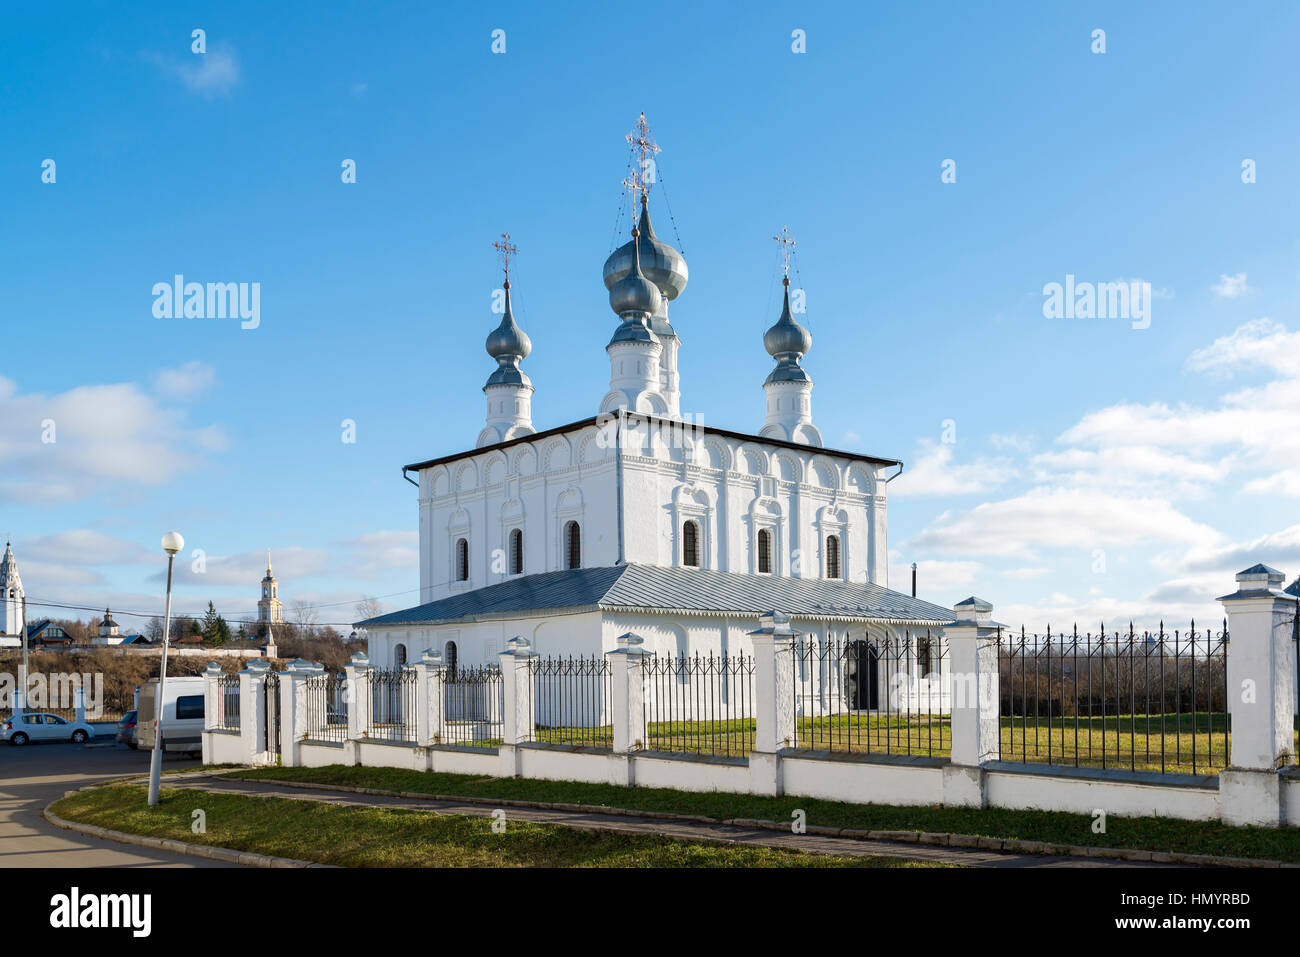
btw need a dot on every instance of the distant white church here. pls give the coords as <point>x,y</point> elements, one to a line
<point>636,520</point>
<point>11,594</point>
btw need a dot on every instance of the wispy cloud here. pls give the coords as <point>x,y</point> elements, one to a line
<point>1230,287</point>
<point>184,382</point>
<point>211,75</point>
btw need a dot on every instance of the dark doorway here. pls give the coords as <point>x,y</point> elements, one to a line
<point>861,676</point>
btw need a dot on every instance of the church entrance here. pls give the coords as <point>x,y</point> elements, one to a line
<point>862,676</point>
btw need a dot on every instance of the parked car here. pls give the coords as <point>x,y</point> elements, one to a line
<point>126,730</point>
<point>182,715</point>
<point>38,726</point>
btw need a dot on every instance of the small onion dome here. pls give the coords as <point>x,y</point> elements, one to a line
<point>787,342</point>
<point>634,293</point>
<point>663,265</point>
<point>508,339</point>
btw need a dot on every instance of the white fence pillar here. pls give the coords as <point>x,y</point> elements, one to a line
<point>627,693</point>
<point>431,711</point>
<point>517,702</point>
<point>212,703</point>
<point>293,707</point>
<point>774,703</point>
<point>252,709</point>
<point>975,699</point>
<point>1261,697</point>
<point>358,692</point>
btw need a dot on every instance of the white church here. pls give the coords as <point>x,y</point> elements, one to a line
<point>636,520</point>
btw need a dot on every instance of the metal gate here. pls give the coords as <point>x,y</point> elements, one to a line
<point>271,697</point>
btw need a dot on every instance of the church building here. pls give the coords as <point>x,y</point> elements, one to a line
<point>11,599</point>
<point>637,519</point>
<point>269,610</point>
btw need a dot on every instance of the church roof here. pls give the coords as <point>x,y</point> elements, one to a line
<point>679,590</point>
<point>694,426</point>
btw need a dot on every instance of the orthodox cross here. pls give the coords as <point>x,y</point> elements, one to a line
<point>787,247</point>
<point>646,148</point>
<point>506,250</point>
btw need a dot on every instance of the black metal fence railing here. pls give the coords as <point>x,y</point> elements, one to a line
<point>885,695</point>
<point>472,706</point>
<point>327,707</point>
<point>699,705</point>
<point>227,716</point>
<point>1145,701</point>
<point>392,704</point>
<point>572,700</point>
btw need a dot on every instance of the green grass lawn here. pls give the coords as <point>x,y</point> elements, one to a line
<point>1192,744</point>
<point>389,837</point>
<point>1143,833</point>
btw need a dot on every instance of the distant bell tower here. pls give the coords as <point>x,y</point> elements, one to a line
<point>11,591</point>
<point>269,609</point>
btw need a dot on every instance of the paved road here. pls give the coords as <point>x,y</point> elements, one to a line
<point>688,830</point>
<point>33,776</point>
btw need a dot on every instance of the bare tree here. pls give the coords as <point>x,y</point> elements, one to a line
<point>369,607</point>
<point>304,616</point>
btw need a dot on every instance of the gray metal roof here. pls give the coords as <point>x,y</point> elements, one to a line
<point>656,588</point>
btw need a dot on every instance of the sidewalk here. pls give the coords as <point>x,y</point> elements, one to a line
<point>685,830</point>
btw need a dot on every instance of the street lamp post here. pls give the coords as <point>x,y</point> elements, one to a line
<point>171,543</point>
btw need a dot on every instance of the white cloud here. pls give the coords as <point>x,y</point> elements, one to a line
<point>1011,440</point>
<point>1260,342</point>
<point>63,447</point>
<point>934,473</point>
<point>184,382</point>
<point>1082,519</point>
<point>246,569</point>
<point>936,580</point>
<point>81,546</point>
<point>378,555</point>
<point>210,74</point>
<point>1230,287</point>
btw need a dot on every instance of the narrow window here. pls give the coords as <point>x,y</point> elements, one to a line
<point>764,551</point>
<point>572,545</point>
<point>691,544</point>
<point>832,556</point>
<point>516,552</point>
<point>462,560</point>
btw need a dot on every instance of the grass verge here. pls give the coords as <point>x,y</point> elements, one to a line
<point>1141,833</point>
<point>389,837</point>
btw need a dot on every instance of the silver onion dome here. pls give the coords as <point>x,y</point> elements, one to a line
<point>508,339</point>
<point>787,337</point>
<point>634,293</point>
<point>662,265</point>
<point>508,344</point>
<point>787,342</point>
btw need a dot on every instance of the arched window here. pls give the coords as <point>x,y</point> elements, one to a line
<point>516,552</point>
<point>691,544</point>
<point>764,551</point>
<point>449,659</point>
<point>399,656</point>
<point>572,545</point>
<point>462,560</point>
<point>832,556</point>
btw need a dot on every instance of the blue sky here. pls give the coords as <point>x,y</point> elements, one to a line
<point>1097,470</point>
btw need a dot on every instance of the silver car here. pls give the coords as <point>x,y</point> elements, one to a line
<point>37,726</point>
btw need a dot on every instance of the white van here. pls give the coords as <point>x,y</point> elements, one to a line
<point>182,715</point>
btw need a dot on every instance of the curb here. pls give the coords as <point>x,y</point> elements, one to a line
<point>1010,846</point>
<point>224,854</point>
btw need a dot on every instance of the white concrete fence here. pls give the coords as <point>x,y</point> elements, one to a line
<point>1260,787</point>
